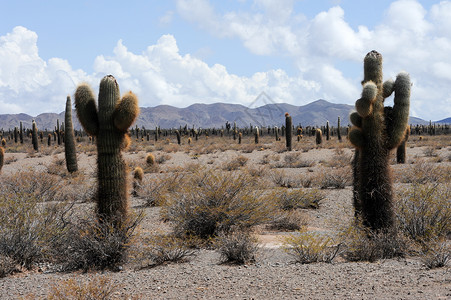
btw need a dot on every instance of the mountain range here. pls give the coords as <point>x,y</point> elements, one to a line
<point>216,115</point>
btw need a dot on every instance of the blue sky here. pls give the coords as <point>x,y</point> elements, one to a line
<point>199,51</point>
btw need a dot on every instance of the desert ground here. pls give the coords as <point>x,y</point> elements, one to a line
<point>273,272</point>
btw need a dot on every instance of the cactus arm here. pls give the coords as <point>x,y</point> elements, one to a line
<point>356,119</point>
<point>388,88</point>
<point>85,106</point>
<point>364,105</point>
<point>400,112</point>
<point>356,137</point>
<point>126,112</point>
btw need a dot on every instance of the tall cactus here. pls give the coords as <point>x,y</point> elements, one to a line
<point>288,133</point>
<point>69,139</point>
<point>377,130</point>
<point>401,150</point>
<point>109,124</point>
<point>2,157</point>
<point>256,135</point>
<point>318,136</point>
<point>339,129</point>
<point>34,136</point>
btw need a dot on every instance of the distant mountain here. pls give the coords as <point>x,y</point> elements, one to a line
<point>215,115</point>
<point>444,121</point>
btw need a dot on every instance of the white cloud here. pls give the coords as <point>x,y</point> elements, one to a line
<point>409,37</point>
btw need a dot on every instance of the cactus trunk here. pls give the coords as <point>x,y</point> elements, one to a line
<point>69,139</point>
<point>288,133</point>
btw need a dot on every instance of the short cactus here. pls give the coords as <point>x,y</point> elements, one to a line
<point>339,129</point>
<point>288,133</point>
<point>69,139</point>
<point>240,136</point>
<point>109,124</point>
<point>150,159</point>
<point>256,135</point>
<point>377,130</point>
<point>138,175</point>
<point>318,136</point>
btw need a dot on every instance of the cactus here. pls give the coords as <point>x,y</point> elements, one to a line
<point>21,133</point>
<point>49,140</point>
<point>109,124</point>
<point>318,136</point>
<point>138,175</point>
<point>69,139</point>
<point>339,129</point>
<point>34,136</point>
<point>256,134</point>
<point>16,135</point>
<point>179,140</point>
<point>327,131</point>
<point>3,142</point>
<point>276,132</point>
<point>189,141</point>
<point>2,157</point>
<point>288,133</point>
<point>150,159</point>
<point>240,136</point>
<point>401,150</point>
<point>378,130</point>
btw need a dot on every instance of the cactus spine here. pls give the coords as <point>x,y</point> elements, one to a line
<point>288,133</point>
<point>109,124</point>
<point>69,139</point>
<point>378,130</point>
<point>34,136</point>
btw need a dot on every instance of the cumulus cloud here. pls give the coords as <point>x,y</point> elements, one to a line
<point>27,82</point>
<point>409,37</point>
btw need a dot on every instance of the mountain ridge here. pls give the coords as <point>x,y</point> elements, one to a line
<point>216,115</point>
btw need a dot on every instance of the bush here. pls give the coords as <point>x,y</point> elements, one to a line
<point>297,198</point>
<point>236,163</point>
<point>7,265</point>
<point>30,229</point>
<point>96,245</point>
<point>424,211</point>
<point>309,247</point>
<point>99,288</point>
<point>423,172</point>
<point>236,247</point>
<point>159,249</point>
<point>215,202</point>
<point>360,244</point>
<point>337,178</point>
<point>287,220</point>
<point>437,254</point>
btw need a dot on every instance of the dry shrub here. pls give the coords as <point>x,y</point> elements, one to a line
<point>437,254</point>
<point>30,229</point>
<point>423,172</point>
<point>361,244</point>
<point>161,159</point>
<point>424,211</point>
<point>216,202</point>
<point>430,152</point>
<point>91,244</point>
<point>79,188</point>
<point>293,160</point>
<point>7,265</point>
<point>280,178</point>
<point>337,178</point>
<point>237,247</point>
<point>236,163</point>
<point>310,247</point>
<point>161,248</point>
<point>43,186</point>
<point>155,191</point>
<point>296,198</point>
<point>97,288</point>
<point>340,159</point>
<point>287,221</point>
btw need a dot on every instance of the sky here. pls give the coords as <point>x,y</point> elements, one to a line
<point>183,52</point>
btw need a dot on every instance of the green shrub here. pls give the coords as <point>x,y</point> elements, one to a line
<point>215,202</point>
